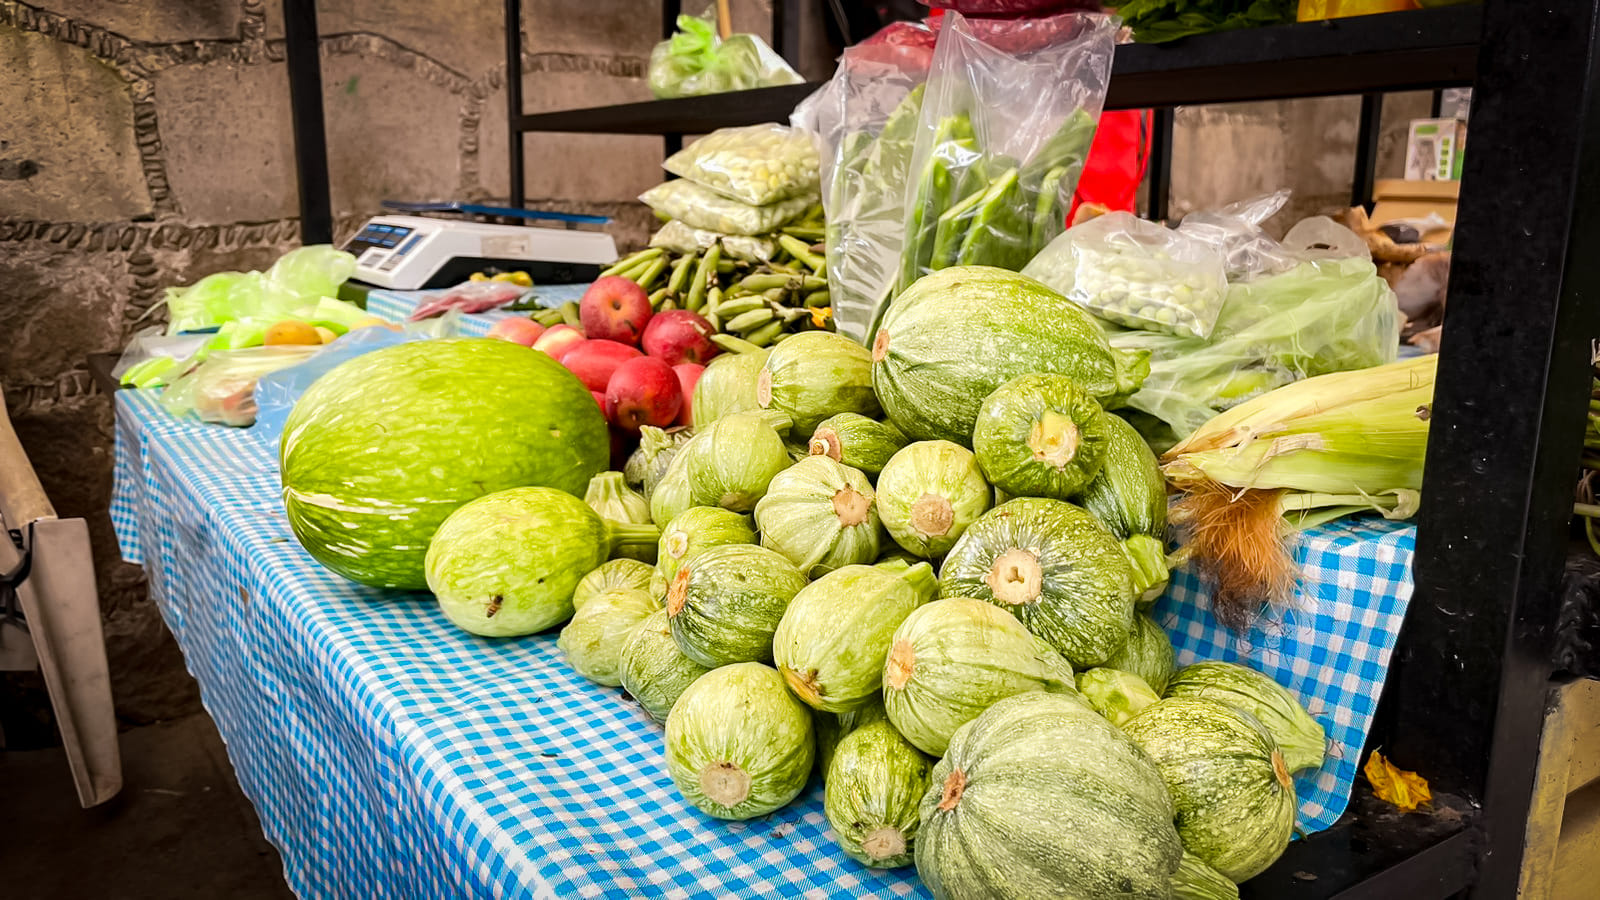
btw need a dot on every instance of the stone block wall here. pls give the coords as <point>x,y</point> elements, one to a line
<point>145,144</point>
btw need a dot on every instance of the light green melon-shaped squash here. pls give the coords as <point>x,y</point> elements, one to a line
<point>739,745</point>
<point>820,514</point>
<point>1115,694</point>
<point>816,374</point>
<point>929,493</point>
<point>1230,787</point>
<point>615,573</point>
<point>874,788</point>
<point>1299,737</point>
<point>725,603</point>
<point>592,642</point>
<point>1041,436</point>
<point>1148,653</point>
<point>1041,797</point>
<point>654,671</point>
<point>954,658</point>
<point>699,528</point>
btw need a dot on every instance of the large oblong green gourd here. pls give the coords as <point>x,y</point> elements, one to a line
<point>1041,797</point>
<point>382,448</point>
<point>957,334</point>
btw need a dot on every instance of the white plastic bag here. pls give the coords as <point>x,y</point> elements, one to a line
<point>686,241</point>
<point>755,164</point>
<point>1235,230</point>
<point>1136,273</point>
<point>700,207</point>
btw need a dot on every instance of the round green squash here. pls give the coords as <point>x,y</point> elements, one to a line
<point>1040,436</point>
<point>700,528</point>
<point>833,639</point>
<point>731,461</point>
<point>954,658</point>
<point>674,493</point>
<point>507,564</point>
<point>954,336</point>
<point>821,515</point>
<point>654,671</point>
<point>874,786</point>
<point>1041,797</point>
<point>727,386</point>
<point>725,603</point>
<point>1115,694</point>
<point>1055,568</point>
<point>1297,735</point>
<point>738,744</point>
<point>929,493</point>
<point>1234,800</point>
<point>592,642</point>
<point>857,441</point>
<point>1195,880</point>
<point>649,462</point>
<point>1129,496</point>
<point>615,573</point>
<point>816,374</point>
<point>378,451</point>
<point>1148,653</point>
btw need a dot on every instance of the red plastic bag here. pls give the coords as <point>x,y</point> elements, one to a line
<point>1117,162</point>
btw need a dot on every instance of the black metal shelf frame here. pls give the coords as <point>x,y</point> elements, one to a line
<point>1471,674</point>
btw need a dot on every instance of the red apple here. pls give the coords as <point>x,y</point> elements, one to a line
<point>599,399</point>
<point>688,376</point>
<point>680,336</point>
<point>594,361</point>
<point>615,309</point>
<point>643,391</point>
<point>558,339</point>
<point>517,330</point>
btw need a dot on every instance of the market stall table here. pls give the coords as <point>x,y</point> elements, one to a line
<point>392,755</point>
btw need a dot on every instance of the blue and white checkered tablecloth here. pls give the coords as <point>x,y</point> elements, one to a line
<point>392,755</point>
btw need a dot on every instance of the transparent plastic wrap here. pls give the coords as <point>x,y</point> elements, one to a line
<point>152,358</point>
<point>1013,7</point>
<point>754,164</point>
<point>865,121</point>
<point>1006,123</point>
<point>700,207</point>
<point>222,389</point>
<point>686,241</point>
<point>298,280</point>
<point>1321,316</point>
<point>1136,273</point>
<point>693,62</point>
<point>276,392</point>
<point>1235,230</point>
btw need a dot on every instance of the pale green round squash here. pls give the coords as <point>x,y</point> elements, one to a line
<point>820,514</point>
<point>1041,435</point>
<point>874,787</point>
<point>615,573</point>
<point>654,671</point>
<point>738,744</point>
<point>725,603</point>
<point>592,642</point>
<point>929,493</point>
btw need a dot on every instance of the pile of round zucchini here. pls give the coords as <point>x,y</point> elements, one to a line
<point>923,568</point>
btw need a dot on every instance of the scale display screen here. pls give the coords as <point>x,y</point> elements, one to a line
<point>385,237</point>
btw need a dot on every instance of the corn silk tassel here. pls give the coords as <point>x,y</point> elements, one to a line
<point>1302,455</point>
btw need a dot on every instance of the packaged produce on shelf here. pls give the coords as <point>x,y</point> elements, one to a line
<point>865,120</point>
<point>1005,125</point>
<point>1136,273</point>
<point>1157,21</point>
<point>1319,317</point>
<point>754,164</point>
<point>701,207</point>
<point>684,240</point>
<point>695,61</point>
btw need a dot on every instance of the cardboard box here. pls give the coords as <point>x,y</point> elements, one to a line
<point>1435,149</point>
<point>1395,200</point>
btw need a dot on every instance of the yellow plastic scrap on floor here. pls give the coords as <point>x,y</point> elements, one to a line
<point>1394,785</point>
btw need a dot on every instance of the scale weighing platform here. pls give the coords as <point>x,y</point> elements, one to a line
<point>411,252</point>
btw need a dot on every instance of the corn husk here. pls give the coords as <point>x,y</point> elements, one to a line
<point>1302,455</point>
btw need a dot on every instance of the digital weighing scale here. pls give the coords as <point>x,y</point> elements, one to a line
<point>408,252</point>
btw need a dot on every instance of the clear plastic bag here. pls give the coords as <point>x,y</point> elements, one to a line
<point>1321,316</point>
<point>222,389</point>
<point>277,391</point>
<point>682,239</point>
<point>152,358</point>
<point>694,62</point>
<point>298,281</point>
<point>1014,7</point>
<point>1009,114</point>
<point>1235,230</point>
<point>700,207</point>
<point>865,119</point>
<point>754,164</point>
<point>1136,273</point>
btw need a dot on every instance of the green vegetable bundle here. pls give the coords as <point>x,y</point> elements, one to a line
<point>1155,21</point>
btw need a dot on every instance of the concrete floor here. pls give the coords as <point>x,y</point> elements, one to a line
<point>179,830</point>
